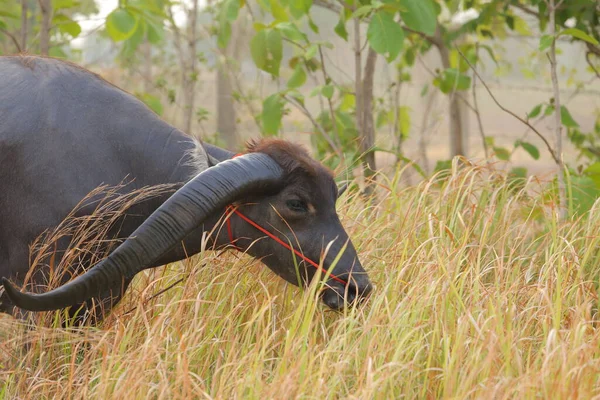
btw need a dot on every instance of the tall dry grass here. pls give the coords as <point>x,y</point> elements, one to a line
<point>480,293</point>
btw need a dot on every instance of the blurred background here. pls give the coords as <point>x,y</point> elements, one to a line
<point>367,85</point>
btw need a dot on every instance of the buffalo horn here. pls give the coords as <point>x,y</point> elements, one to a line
<point>207,193</point>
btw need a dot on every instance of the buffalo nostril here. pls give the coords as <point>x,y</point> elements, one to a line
<point>338,297</point>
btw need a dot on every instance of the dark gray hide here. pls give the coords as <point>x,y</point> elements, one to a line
<point>65,131</point>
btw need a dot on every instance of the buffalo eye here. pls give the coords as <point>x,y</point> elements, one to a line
<point>298,206</point>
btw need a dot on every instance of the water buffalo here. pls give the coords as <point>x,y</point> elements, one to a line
<point>64,131</point>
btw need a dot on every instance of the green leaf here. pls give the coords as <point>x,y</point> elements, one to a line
<point>535,111</point>
<point>593,171</point>
<point>327,91</point>
<point>132,43</point>
<point>579,34</point>
<point>529,148</point>
<point>228,13</point>
<point>121,24</point>
<point>230,10</point>
<point>385,35</point>
<point>275,48</point>
<point>296,95</point>
<point>311,52</point>
<point>271,114</point>
<point>516,178</point>
<point>299,8</point>
<point>258,26</point>
<point>348,102</point>
<point>154,32</point>
<point>8,14</point>
<point>258,49</point>
<point>267,50</point>
<point>521,26</point>
<point>502,153</point>
<point>490,52</point>
<point>298,77</point>
<point>443,165</point>
<point>224,34</point>
<point>315,91</point>
<point>340,28</point>
<point>566,118</point>
<point>58,4</point>
<point>546,42</point>
<point>419,15</point>
<point>66,25</point>
<point>404,123</point>
<point>278,11</point>
<point>313,27</point>
<point>584,193</point>
<point>362,11</point>
<point>451,79</point>
<point>291,31</point>
<point>152,102</point>
<point>58,52</point>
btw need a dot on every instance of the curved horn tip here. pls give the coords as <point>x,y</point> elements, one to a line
<point>10,290</point>
<point>18,298</point>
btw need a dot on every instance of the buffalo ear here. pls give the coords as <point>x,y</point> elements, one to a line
<point>341,189</point>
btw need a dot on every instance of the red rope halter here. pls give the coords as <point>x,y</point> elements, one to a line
<point>233,210</point>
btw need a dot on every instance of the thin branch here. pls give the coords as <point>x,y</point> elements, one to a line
<point>327,80</point>
<point>368,128</point>
<point>331,6</point>
<point>24,27</point>
<point>317,126</point>
<point>46,9</point>
<point>593,49</point>
<point>177,34</point>
<point>476,110</point>
<point>591,64</point>
<point>433,40</point>
<point>13,38</point>
<point>506,110</point>
<point>358,86</point>
<point>526,10</point>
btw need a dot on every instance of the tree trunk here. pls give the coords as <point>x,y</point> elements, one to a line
<point>358,75</point>
<point>24,10</point>
<point>46,9</point>
<point>562,195</point>
<point>147,67</point>
<point>226,118</point>
<point>457,134</point>
<point>226,114</point>
<point>190,76</point>
<point>424,130</point>
<point>368,128</point>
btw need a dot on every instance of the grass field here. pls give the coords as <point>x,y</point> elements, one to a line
<point>480,293</point>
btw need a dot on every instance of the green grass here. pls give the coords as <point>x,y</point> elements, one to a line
<point>480,293</point>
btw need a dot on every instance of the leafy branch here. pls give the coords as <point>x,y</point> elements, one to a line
<point>506,110</point>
